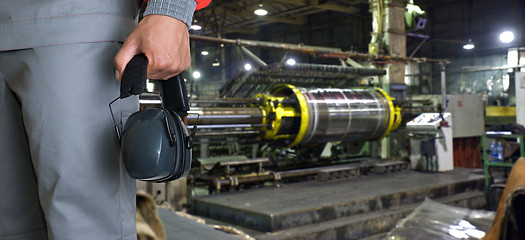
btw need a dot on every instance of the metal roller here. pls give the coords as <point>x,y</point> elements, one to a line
<point>294,116</point>
<point>346,114</point>
<point>324,115</point>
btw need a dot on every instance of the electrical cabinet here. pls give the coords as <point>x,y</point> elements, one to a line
<point>468,115</point>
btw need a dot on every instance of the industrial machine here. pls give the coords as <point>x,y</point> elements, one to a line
<point>290,115</point>
<point>288,120</point>
<point>277,124</point>
<point>284,123</point>
<point>431,142</point>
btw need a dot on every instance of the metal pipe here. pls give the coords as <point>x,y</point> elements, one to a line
<point>300,68</point>
<point>469,70</point>
<point>418,46</point>
<point>205,147</point>
<point>254,57</point>
<point>315,50</point>
<point>215,126</point>
<point>212,116</point>
<point>444,86</point>
<point>419,107</point>
<point>216,101</point>
<point>223,133</point>
<point>223,63</point>
<point>273,176</point>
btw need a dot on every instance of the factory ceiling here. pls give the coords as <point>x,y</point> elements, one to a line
<point>229,16</point>
<point>450,23</point>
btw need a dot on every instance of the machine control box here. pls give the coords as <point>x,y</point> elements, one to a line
<point>428,122</point>
<point>431,142</point>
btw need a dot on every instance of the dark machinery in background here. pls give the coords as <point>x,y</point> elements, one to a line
<point>283,123</point>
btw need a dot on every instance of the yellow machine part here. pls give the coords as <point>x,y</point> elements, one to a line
<point>395,113</point>
<point>278,112</point>
<point>302,111</point>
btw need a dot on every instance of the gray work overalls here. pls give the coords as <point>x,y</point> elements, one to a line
<point>60,173</point>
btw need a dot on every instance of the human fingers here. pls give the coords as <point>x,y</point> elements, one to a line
<point>123,56</point>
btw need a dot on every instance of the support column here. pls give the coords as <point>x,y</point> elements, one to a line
<point>389,38</point>
<point>395,37</point>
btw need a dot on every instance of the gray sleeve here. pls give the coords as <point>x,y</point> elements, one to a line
<point>179,9</point>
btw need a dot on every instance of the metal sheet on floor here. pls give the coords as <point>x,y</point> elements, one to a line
<point>292,205</point>
<point>180,228</point>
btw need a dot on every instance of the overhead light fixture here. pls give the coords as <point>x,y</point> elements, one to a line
<point>290,61</point>
<point>195,26</point>
<point>469,45</point>
<point>150,86</point>
<point>247,67</point>
<point>260,11</point>
<point>204,53</point>
<point>216,63</point>
<point>196,74</point>
<point>506,37</point>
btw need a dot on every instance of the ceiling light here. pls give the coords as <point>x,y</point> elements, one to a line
<point>196,74</point>
<point>290,61</point>
<point>260,11</point>
<point>150,86</point>
<point>247,67</point>
<point>506,37</point>
<point>195,26</point>
<point>469,45</point>
<point>205,53</point>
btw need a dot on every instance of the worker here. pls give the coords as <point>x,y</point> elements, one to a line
<point>60,173</point>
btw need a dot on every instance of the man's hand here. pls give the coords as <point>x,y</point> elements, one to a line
<point>165,42</point>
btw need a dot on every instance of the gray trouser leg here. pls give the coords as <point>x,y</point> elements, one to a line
<point>16,161</point>
<point>60,171</point>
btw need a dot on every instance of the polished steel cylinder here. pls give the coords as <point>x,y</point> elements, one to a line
<point>346,114</point>
<point>301,116</point>
<point>222,116</point>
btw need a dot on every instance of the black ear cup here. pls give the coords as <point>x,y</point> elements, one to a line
<point>182,156</point>
<point>148,152</point>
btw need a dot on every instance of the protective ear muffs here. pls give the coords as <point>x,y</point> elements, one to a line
<point>155,144</point>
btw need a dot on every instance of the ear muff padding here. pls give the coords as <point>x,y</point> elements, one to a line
<point>146,149</point>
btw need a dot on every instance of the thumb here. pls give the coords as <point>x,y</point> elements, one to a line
<point>124,55</point>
